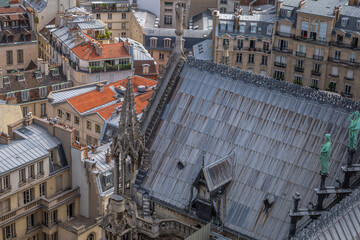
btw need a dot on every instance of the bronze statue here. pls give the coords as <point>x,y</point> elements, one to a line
<point>325,155</point>
<point>354,128</point>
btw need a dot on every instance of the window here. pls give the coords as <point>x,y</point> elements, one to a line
<point>344,21</point>
<point>31,170</point>
<point>24,95</point>
<point>77,136</point>
<point>301,48</point>
<point>9,57</point>
<point>266,46</point>
<point>28,195</point>
<point>251,58</point>
<point>25,111</point>
<point>335,72</point>
<point>40,167</point>
<point>76,120</point>
<point>43,109</point>
<point>55,87</point>
<point>239,57</point>
<point>298,79</point>
<point>225,42</point>
<point>252,45</point>
<point>5,182</point>
<point>358,24</point>
<point>322,31</point>
<point>167,19</point>
<point>42,189</point>
<point>350,74</point>
<point>45,222</point>
<point>55,72</point>
<point>279,75</point>
<point>223,10</point>
<point>337,54</point>
<point>316,67</point>
<point>352,57</point>
<point>109,26</point>
<point>123,15</point>
<point>161,56</point>
<point>109,16</point>
<point>280,61</point>
<point>88,125</point>
<point>264,60</point>
<point>123,25</point>
<point>4,206</point>
<point>285,29</point>
<point>9,231</point>
<point>347,89</point>
<point>54,217</point>
<point>22,176</point>
<point>269,30</point>
<point>240,43</point>
<point>60,113</point>
<point>20,56</point>
<point>94,64</point>
<point>97,128</point>
<point>98,16</point>
<point>20,77</point>
<point>167,42</point>
<point>242,27</point>
<point>313,31</point>
<point>299,64</point>
<point>30,220</point>
<point>42,92</point>
<point>123,34</point>
<point>319,53</point>
<point>70,210</point>
<point>283,45</point>
<point>91,237</point>
<point>6,80</point>
<point>68,116</point>
<point>153,42</point>
<point>314,82</point>
<point>253,27</point>
<point>54,236</point>
<point>304,29</point>
<point>108,178</point>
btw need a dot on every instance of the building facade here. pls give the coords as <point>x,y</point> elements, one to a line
<point>18,40</point>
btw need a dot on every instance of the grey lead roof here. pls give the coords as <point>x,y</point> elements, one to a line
<point>32,143</point>
<point>63,95</point>
<point>316,7</point>
<point>275,128</point>
<point>341,222</point>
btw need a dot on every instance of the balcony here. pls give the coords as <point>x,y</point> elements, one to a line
<point>282,49</point>
<point>315,73</point>
<point>104,8</point>
<point>341,61</point>
<point>42,202</point>
<point>282,34</point>
<point>318,57</point>
<point>299,69</point>
<point>347,95</point>
<point>278,64</point>
<point>334,75</point>
<point>349,79</point>
<point>343,45</point>
<point>301,54</point>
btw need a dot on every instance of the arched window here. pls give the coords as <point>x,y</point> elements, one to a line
<point>91,237</point>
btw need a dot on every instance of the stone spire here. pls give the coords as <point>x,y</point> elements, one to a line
<point>179,31</point>
<point>128,142</point>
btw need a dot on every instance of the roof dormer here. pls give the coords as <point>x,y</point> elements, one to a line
<point>344,21</point>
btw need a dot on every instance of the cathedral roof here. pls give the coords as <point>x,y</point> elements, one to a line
<point>274,130</point>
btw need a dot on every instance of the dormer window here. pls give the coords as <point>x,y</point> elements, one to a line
<point>358,24</point>
<point>108,178</point>
<point>10,95</point>
<point>42,92</point>
<point>38,74</point>
<point>25,95</point>
<point>344,21</point>
<point>6,80</point>
<point>55,72</point>
<point>242,27</point>
<point>253,27</point>
<point>20,77</point>
<point>145,68</point>
<point>269,30</point>
<point>153,42</point>
<point>167,42</point>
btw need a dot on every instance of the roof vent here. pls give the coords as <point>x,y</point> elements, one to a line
<point>100,87</point>
<point>180,165</point>
<point>269,201</point>
<point>142,88</point>
<point>121,89</point>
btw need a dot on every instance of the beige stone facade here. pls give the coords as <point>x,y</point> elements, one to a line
<point>167,13</point>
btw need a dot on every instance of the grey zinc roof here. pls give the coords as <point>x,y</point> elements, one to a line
<point>353,15</point>
<point>316,7</point>
<point>63,95</point>
<point>32,143</point>
<point>341,222</point>
<point>38,5</point>
<point>276,134</point>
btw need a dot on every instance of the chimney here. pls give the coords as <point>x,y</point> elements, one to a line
<point>100,87</point>
<point>43,66</point>
<point>98,49</point>
<point>93,149</point>
<point>93,166</point>
<point>302,3</point>
<point>86,153</point>
<point>28,119</point>
<point>108,156</point>
<point>216,16</point>
<point>4,138</point>
<point>279,4</point>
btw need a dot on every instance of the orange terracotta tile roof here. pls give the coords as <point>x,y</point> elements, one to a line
<point>141,102</point>
<point>7,10</point>
<point>95,99</point>
<point>111,50</point>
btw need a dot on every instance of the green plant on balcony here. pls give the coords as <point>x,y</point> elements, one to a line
<point>332,87</point>
<point>314,86</point>
<point>95,68</point>
<point>125,67</point>
<point>298,81</point>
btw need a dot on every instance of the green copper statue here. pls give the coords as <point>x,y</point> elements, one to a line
<point>354,129</point>
<point>325,155</point>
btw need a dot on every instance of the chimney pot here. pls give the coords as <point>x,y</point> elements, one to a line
<point>100,87</point>
<point>108,156</point>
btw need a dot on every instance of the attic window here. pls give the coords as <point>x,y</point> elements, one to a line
<point>107,178</point>
<point>153,42</point>
<point>358,24</point>
<point>344,21</point>
<point>269,30</point>
<point>6,80</point>
<point>38,75</point>
<point>167,42</point>
<point>20,77</point>
<point>55,72</point>
<point>145,68</point>
<point>253,27</point>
